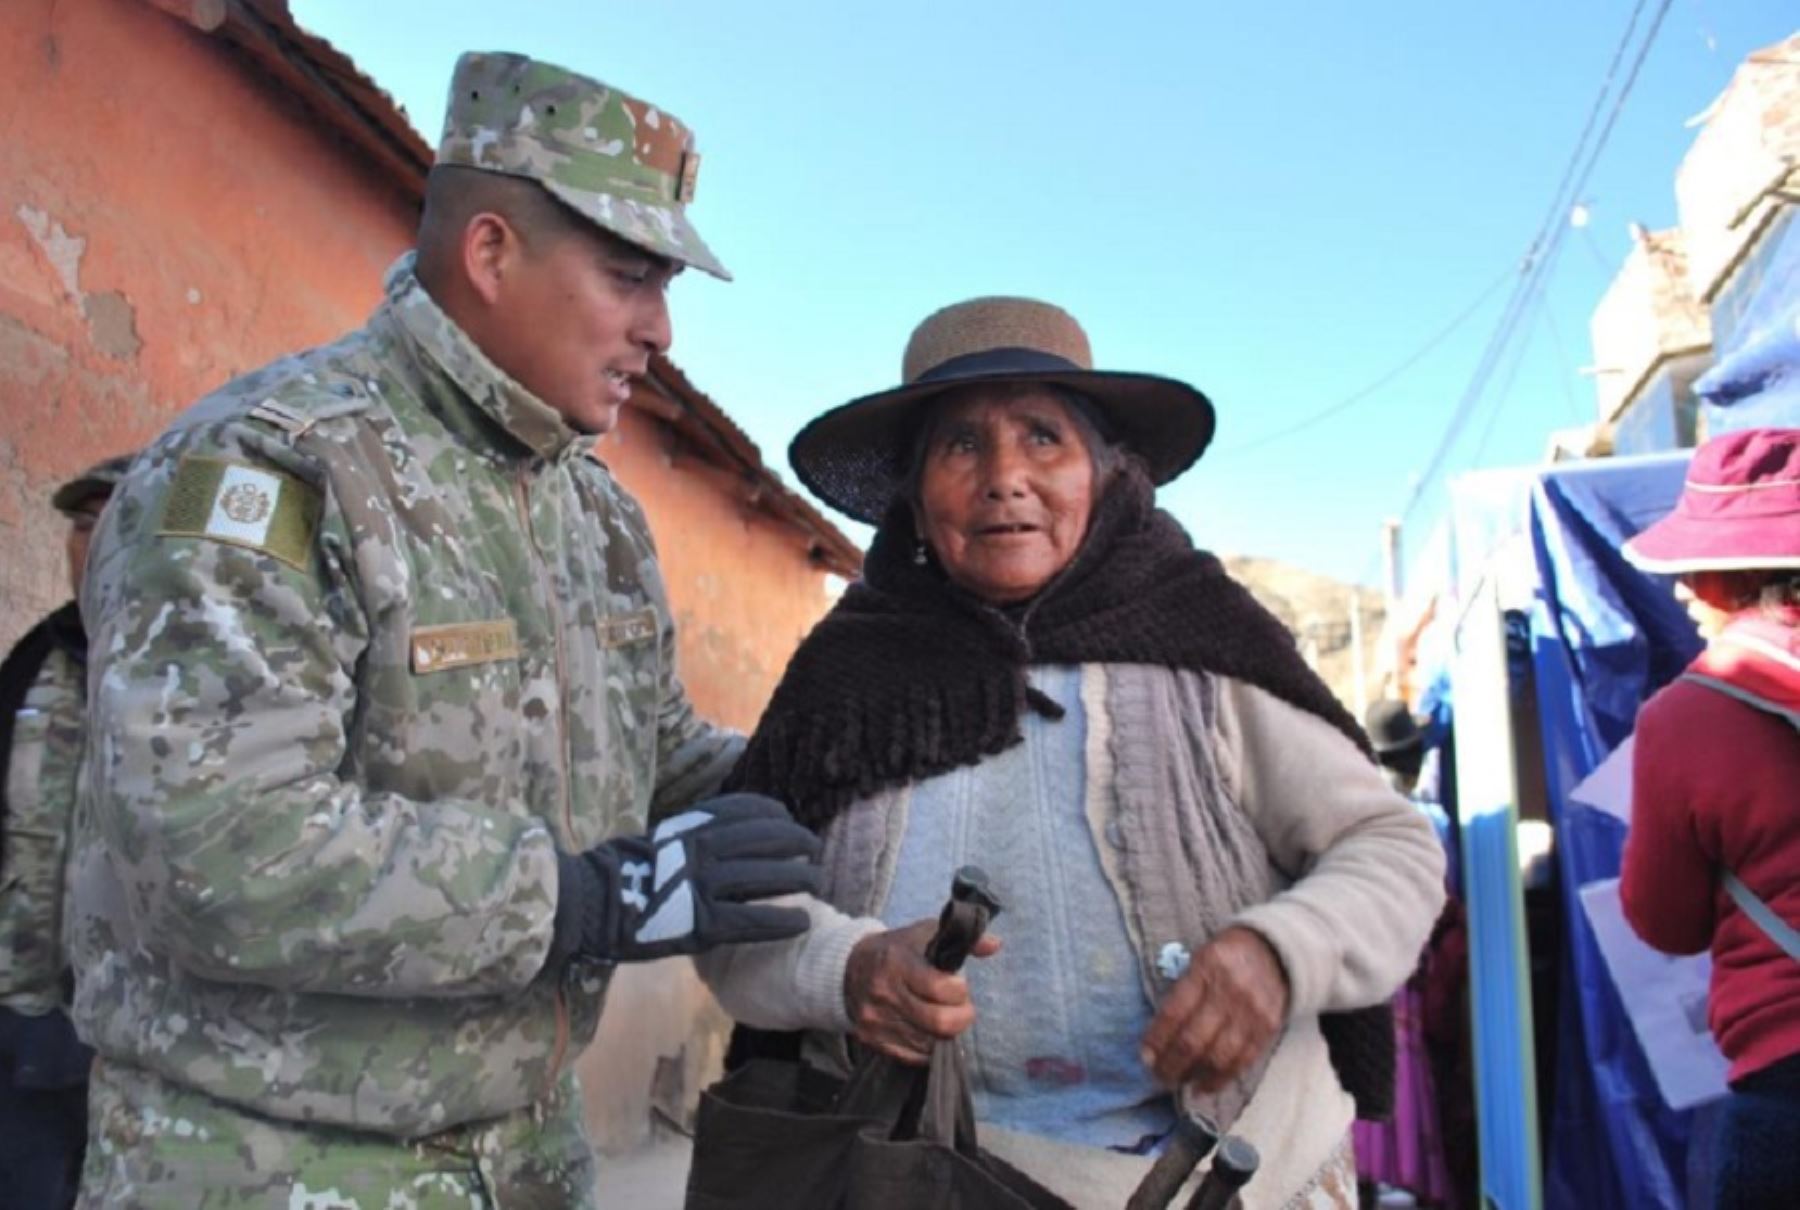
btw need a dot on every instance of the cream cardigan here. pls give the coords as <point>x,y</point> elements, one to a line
<point>1340,874</point>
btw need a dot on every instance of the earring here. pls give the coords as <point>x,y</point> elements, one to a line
<point>919,553</point>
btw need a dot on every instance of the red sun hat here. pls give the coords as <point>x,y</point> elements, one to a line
<point>1739,510</point>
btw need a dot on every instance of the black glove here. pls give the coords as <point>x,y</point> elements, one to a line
<point>688,886</point>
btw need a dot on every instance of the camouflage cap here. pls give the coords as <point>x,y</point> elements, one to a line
<point>97,480</point>
<point>620,162</point>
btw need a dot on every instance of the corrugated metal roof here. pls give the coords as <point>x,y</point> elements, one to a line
<point>353,106</point>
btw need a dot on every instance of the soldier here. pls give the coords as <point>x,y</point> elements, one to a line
<point>43,731</point>
<point>384,698</point>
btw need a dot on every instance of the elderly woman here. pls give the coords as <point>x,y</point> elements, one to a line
<point>1712,859</point>
<point>1039,674</point>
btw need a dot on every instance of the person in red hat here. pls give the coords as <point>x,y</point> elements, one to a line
<point>1712,860</point>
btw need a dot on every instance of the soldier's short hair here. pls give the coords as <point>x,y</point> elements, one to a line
<point>455,194</point>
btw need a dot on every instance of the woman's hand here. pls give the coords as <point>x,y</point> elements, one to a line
<point>899,1003</point>
<point>1222,1014</point>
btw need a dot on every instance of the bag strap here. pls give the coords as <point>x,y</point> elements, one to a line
<point>1764,917</point>
<point>1743,695</point>
<point>930,1102</point>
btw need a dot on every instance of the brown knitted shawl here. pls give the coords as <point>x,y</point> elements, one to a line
<point>909,677</point>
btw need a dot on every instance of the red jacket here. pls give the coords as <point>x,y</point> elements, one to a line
<point>1716,782</point>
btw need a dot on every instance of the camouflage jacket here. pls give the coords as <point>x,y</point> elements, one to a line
<point>43,773</point>
<point>373,635</point>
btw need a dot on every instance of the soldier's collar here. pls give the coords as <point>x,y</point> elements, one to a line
<point>497,394</point>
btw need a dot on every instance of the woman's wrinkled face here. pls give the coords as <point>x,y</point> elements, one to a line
<point>1006,487</point>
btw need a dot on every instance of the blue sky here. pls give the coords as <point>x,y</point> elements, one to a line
<point>1277,202</point>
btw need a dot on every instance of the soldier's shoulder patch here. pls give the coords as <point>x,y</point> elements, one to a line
<point>256,507</point>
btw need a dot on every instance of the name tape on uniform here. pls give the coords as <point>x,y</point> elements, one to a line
<point>241,505</point>
<point>459,644</point>
<point>622,630</point>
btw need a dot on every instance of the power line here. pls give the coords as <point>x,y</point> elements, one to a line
<point>1553,217</point>
<point>1548,242</point>
<point>1408,362</point>
<point>1637,65</point>
<point>1523,290</point>
<point>1600,258</point>
<point>1506,383</point>
<point>1541,314</point>
<point>1562,359</point>
<point>1540,255</point>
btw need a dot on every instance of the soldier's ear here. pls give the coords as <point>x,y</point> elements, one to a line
<point>490,252</point>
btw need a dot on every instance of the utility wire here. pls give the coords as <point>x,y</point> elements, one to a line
<point>1562,360</point>
<point>1408,362</point>
<point>1561,230</point>
<point>1600,258</point>
<point>1540,255</point>
<point>1519,352</point>
<point>1637,65</point>
<point>1558,210</point>
<point>1491,356</point>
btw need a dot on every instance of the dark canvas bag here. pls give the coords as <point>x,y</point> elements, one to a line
<point>776,1135</point>
<point>779,1134</point>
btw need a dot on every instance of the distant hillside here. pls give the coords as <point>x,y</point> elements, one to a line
<point>1317,609</point>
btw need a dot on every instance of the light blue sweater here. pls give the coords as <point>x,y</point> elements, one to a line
<point>1062,1009</point>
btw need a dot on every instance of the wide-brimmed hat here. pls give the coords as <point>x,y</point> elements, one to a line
<point>627,166</point>
<point>1739,509</point>
<point>95,483</point>
<point>854,456</point>
<point>1392,728</point>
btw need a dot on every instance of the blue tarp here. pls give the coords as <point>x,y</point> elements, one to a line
<point>1600,638</point>
<point>1603,638</point>
<point>1756,380</point>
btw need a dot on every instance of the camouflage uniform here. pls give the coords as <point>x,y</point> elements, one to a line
<point>42,767</point>
<point>42,774</point>
<point>43,1066</point>
<point>375,635</point>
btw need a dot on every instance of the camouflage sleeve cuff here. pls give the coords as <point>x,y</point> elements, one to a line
<point>581,895</point>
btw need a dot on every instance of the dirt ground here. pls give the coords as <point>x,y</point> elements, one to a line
<point>651,1178</point>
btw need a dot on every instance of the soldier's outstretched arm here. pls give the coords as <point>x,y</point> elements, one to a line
<point>228,634</point>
